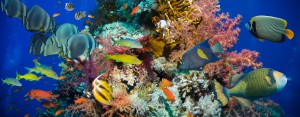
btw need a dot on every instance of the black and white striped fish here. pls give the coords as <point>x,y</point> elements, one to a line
<point>269,28</point>
<point>69,6</point>
<point>79,15</point>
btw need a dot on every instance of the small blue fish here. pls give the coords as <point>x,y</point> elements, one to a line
<point>130,43</point>
<point>200,55</point>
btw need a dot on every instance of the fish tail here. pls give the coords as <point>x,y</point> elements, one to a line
<point>217,49</point>
<point>221,93</point>
<point>2,81</point>
<point>18,76</point>
<point>113,41</point>
<point>289,33</point>
<point>30,70</point>
<point>55,96</point>
<point>106,56</point>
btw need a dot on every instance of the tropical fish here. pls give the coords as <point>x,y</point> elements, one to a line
<point>26,115</point>
<point>126,59</point>
<point>58,112</point>
<point>38,20</point>
<point>14,8</point>
<point>29,76</point>
<point>200,55</point>
<point>56,15</point>
<point>80,44</point>
<point>12,82</point>
<point>40,94</point>
<point>130,43</point>
<point>169,94</point>
<point>62,77</point>
<point>37,43</point>
<point>69,6</point>
<point>135,10</point>
<point>26,99</point>
<point>79,15</point>
<point>49,104</point>
<point>43,69</point>
<point>165,83</point>
<point>80,100</point>
<point>63,33</point>
<point>51,46</point>
<point>90,16</point>
<point>269,28</point>
<point>256,84</point>
<point>124,7</point>
<point>102,91</point>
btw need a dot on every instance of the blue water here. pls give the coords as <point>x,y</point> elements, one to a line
<point>284,57</point>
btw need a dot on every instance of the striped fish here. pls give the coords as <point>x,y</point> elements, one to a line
<point>102,91</point>
<point>79,15</point>
<point>69,6</point>
<point>256,84</point>
<point>269,28</point>
<point>14,8</point>
<point>63,33</point>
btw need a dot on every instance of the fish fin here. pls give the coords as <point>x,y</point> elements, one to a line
<point>234,79</point>
<point>221,93</point>
<point>244,102</point>
<point>260,39</point>
<point>106,56</point>
<point>289,33</point>
<point>2,6</point>
<point>2,81</point>
<point>30,70</point>
<point>18,76</point>
<point>217,48</point>
<point>284,22</point>
<point>113,41</point>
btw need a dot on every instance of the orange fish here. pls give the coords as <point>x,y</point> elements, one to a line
<point>49,104</point>
<point>62,77</point>
<point>124,7</point>
<point>68,60</point>
<point>165,83</point>
<point>56,14</point>
<point>90,16</point>
<point>134,10</point>
<point>26,99</point>
<point>80,100</point>
<point>58,112</point>
<point>189,114</point>
<point>40,94</point>
<point>169,94</point>
<point>26,115</point>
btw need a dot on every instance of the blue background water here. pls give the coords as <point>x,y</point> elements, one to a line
<point>284,57</point>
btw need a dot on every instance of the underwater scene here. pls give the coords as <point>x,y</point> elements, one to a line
<point>150,58</point>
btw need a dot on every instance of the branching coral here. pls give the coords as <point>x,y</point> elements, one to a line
<point>85,109</point>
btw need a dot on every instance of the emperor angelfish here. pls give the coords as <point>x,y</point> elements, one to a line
<point>200,55</point>
<point>256,84</point>
<point>38,20</point>
<point>269,28</point>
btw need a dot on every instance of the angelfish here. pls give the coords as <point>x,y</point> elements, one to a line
<point>200,55</point>
<point>269,28</point>
<point>247,87</point>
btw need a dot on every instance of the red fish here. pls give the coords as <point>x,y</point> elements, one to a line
<point>49,104</point>
<point>165,83</point>
<point>58,112</point>
<point>169,94</point>
<point>80,100</point>
<point>40,94</point>
<point>134,10</point>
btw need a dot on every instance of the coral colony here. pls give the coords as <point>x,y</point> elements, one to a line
<point>115,79</point>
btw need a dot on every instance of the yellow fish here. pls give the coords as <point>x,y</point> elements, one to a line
<point>28,76</point>
<point>43,69</point>
<point>102,91</point>
<point>124,58</point>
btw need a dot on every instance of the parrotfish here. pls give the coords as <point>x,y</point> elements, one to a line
<point>124,58</point>
<point>200,55</point>
<point>130,43</point>
<point>11,81</point>
<point>43,69</point>
<point>269,28</point>
<point>102,91</point>
<point>40,94</point>
<point>28,76</point>
<point>256,84</point>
